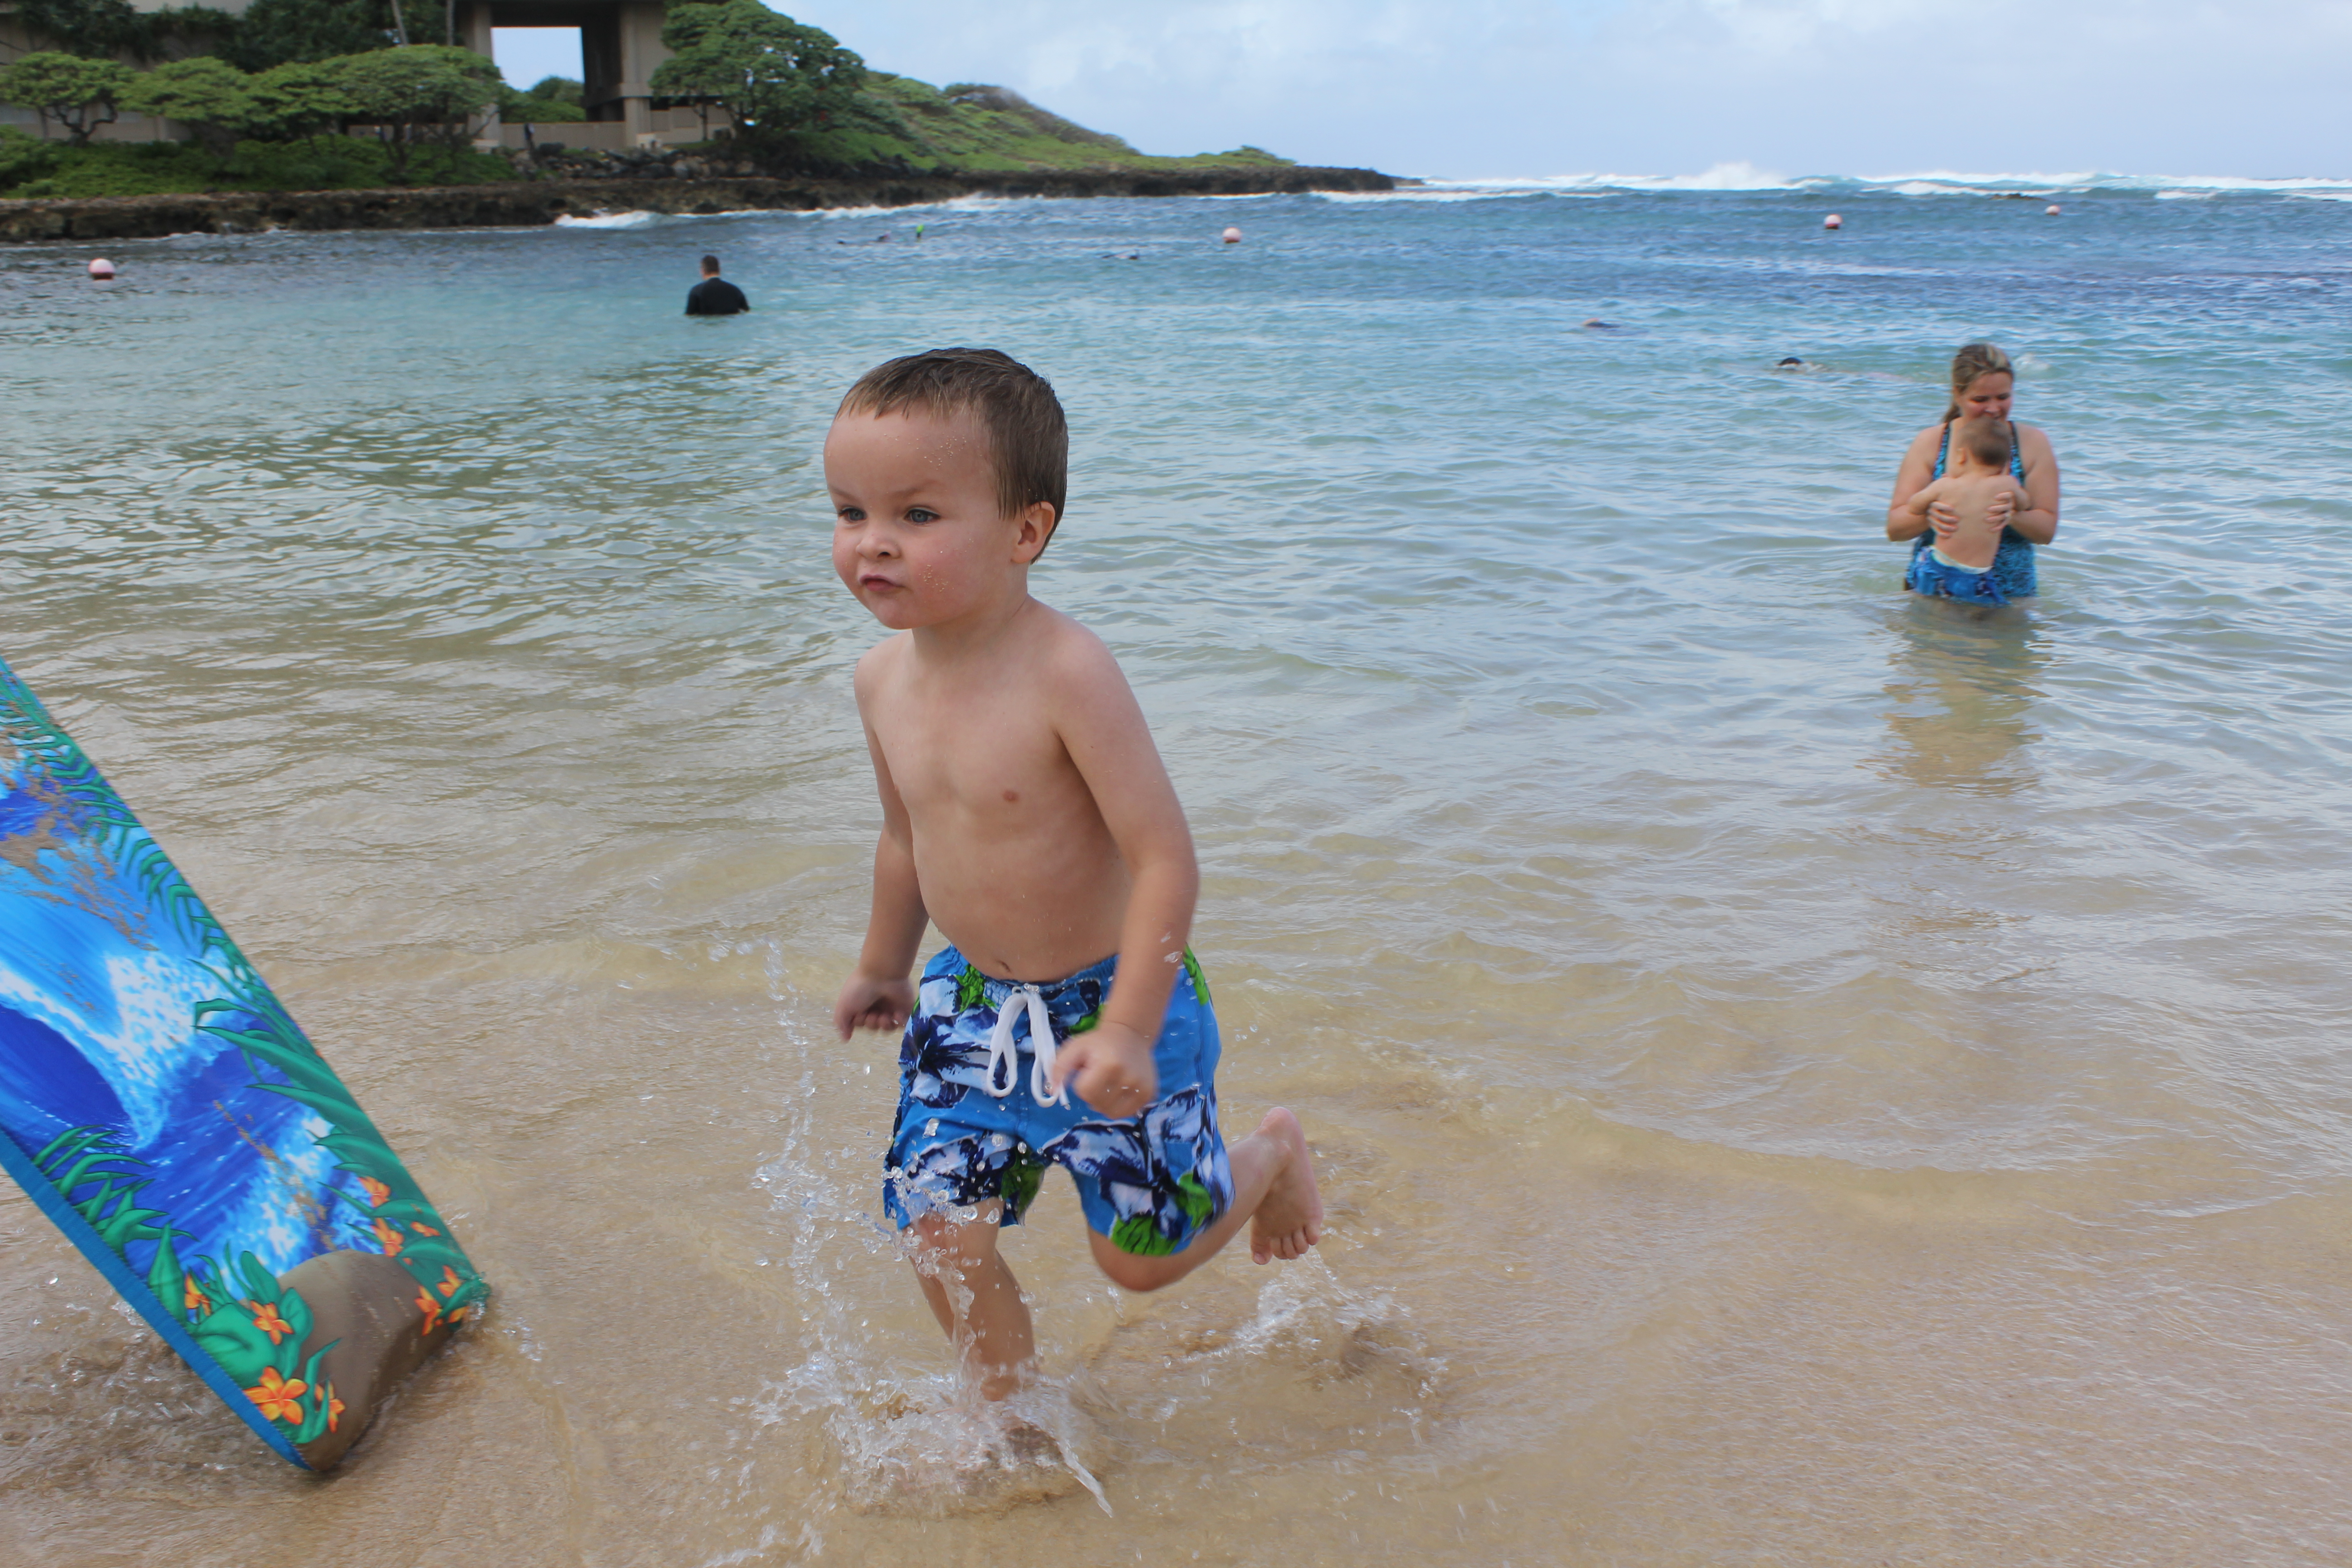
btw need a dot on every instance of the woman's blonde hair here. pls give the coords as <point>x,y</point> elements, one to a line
<point>1973,361</point>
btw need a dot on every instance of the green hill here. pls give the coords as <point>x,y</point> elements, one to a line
<point>969,126</point>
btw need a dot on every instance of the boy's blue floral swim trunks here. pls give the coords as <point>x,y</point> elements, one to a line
<point>971,1126</point>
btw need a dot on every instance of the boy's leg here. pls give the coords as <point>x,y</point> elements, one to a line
<point>976,1299</point>
<point>1273,1189</point>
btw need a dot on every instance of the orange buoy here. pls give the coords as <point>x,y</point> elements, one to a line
<point>2050,211</point>
<point>1233,237</point>
<point>101,268</point>
<point>1834,221</point>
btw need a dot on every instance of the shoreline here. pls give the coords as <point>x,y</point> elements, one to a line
<point>530,204</point>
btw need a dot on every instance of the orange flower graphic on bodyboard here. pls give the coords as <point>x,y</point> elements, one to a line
<point>207,1159</point>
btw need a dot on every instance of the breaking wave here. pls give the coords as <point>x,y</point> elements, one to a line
<point>1743,176</point>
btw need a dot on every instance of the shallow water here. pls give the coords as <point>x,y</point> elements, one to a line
<point>1799,1076</point>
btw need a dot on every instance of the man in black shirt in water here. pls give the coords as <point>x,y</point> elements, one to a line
<point>714,296</point>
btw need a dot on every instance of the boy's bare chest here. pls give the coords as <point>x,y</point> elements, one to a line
<point>972,751</point>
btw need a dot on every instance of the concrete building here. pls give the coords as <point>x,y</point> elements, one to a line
<point>620,45</point>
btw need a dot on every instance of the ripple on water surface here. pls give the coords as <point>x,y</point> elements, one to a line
<point>1796,1071</point>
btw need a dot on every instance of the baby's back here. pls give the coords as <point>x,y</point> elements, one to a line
<point>1974,544</point>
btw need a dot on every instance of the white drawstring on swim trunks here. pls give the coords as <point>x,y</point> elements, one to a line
<point>1041,1040</point>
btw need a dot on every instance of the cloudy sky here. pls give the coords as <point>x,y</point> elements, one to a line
<point>1520,88</point>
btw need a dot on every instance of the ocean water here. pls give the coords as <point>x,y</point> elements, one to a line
<point>1799,1075</point>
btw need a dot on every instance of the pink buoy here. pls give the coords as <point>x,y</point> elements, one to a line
<point>1834,221</point>
<point>2052,210</point>
<point>101,268</point>
<point>1233,237</point>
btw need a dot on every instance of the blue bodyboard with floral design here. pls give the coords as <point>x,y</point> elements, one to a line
<point>160,1105</point>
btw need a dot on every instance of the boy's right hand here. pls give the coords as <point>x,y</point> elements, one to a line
<point>1111,1068</point>
<point>868,1004</point>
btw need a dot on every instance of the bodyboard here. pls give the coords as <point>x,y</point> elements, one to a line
<point>161,1106</point>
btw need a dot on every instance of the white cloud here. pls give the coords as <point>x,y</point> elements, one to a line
<point>1822,86</point>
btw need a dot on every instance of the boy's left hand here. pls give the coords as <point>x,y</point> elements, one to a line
<point>1109,1066</point>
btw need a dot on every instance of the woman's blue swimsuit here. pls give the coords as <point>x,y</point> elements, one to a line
<point>2013,562</point>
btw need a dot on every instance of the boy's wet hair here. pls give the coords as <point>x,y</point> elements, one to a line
<point>1985,439</point>
<point>1028,439</point>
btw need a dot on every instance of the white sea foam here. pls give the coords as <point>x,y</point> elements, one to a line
<point>972,203</point>
<point>609,220</point>
<point>635,219</point>
<point>1734,176</point>
<point>1467,191</point>
<point>1744,176</point>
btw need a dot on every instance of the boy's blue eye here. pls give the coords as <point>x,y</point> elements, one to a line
<point>922,514</point>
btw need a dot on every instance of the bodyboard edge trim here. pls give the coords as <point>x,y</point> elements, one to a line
<point>134,1290</point>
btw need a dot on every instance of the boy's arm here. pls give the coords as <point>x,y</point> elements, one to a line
<point>1932,507</point>
<point>1102,727</point>
<point>878,994</point>
<point>1924,497</point>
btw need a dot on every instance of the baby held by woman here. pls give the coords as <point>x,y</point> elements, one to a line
<point>1977,485</point>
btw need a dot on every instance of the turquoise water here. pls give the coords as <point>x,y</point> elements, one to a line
<point>1801,1074</point>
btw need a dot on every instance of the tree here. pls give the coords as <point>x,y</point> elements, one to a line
<point>77,93</point>
<point>204,93</point>
<point>275,32</point>
<point>775,77</point>
<point>300,98</point>
<point>413,93</point>
<point>527,109</point>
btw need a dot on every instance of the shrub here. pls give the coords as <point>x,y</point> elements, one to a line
<point>282,32</point>
<point>92,27</point>
<point>31,168</point>
<point>25,159</point>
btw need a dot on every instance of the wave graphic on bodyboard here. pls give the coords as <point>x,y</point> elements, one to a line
<point>162,1108</point>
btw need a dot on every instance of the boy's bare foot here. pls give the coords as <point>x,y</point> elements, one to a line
<point>1290,1219</point>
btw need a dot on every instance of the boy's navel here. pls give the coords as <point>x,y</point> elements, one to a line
<point>1012,794</point>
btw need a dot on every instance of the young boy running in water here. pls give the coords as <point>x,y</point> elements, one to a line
<point>1025,812</point>
<point>1977,485</point>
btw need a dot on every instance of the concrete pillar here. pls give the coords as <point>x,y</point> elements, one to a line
<point>474,29</point>
<point>641,52</point>
<point>474,33</point>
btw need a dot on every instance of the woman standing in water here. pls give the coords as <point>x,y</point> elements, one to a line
<point>1983,384</point>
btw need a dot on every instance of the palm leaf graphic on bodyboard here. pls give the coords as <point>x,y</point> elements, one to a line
<point>161,1106</point>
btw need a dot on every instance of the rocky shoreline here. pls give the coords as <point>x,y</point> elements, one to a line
<point>531,203</point>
